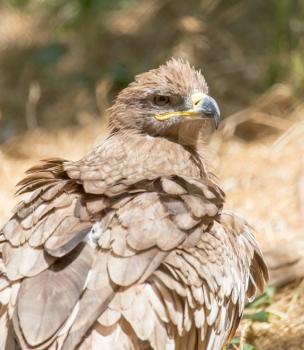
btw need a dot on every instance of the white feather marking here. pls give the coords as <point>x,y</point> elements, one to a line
<point>94,235</point>
<point>87,280</point>
<point>69,321</point>
<point>117,334</point>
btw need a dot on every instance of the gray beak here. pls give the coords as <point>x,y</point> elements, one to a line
<point>210,109</point>
<point>203,106</point>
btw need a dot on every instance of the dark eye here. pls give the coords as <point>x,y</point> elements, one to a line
<point>161,100</point>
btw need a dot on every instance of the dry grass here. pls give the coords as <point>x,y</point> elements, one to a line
<point>263,180</point>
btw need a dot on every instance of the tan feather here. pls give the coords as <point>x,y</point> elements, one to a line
<point>119,242</point>
<point>92,305</point>
<point>172,187</point>
<point>97,205</point>
<point>24,261</point>
<point>185,221</point>
<point>51,192</point>
<point>171,283</point>
<point>67,236</point>
<point>56,292</point>
<point>46,228</point>
<point>125,271</point>
<point>200,207</point>
<point>156,302</point>
<point>140,315</point>
<point>146,257</point>
<point>10,228</point>
<point>109,317</point>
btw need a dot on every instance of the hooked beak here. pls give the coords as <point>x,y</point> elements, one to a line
<point>207,106</point>
<point>203,106</point>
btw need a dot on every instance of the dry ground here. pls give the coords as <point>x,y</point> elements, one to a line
<point>263,179</point>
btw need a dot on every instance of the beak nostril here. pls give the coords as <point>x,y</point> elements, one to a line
<point>197,99</point>
<point>196,103</point>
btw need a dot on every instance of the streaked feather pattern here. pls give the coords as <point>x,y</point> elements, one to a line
<point>128,248</point>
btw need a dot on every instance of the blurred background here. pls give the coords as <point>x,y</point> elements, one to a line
<point>62,63</point>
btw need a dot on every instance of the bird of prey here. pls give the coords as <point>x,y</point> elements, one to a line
<point>130,247</point>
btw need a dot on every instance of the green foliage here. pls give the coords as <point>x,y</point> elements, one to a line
<point>49,54</point>
<point>265,299</point>
<point>260,316</point>
<point>279,29</point>
<point>255,313</point>
<point>120,74</point>
<point>72,12</point>
<point>247,346</point>
<point>18,3</point>
<point>287,37</point>
<point>244,47</point>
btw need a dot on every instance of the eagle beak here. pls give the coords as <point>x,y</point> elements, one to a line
<point>205,106</point>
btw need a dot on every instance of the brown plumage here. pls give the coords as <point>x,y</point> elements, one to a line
<point>130,247</point>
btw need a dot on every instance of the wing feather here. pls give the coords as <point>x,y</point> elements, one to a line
<point>114,247</point>
<point>56,292</point>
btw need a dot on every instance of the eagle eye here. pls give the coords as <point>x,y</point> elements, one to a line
<point>161,100</point>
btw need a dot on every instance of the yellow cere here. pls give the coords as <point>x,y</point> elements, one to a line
<point>168,115</point>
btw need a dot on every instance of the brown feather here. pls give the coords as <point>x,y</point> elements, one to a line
<point>67,236</point>
<point>145,254</point>
<point>56,292</point>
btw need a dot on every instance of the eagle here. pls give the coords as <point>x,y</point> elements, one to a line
<point>130,247</point>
